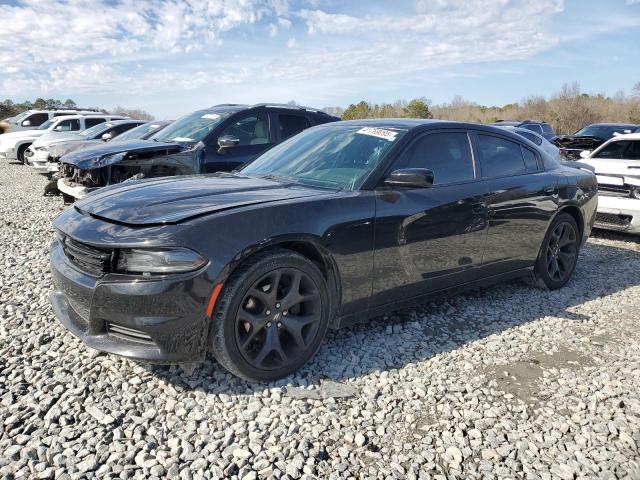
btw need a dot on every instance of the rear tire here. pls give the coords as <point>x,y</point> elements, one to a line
<point>271,316</point>
<point>558,253</point>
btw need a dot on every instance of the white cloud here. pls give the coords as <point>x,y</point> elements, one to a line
<point>438,33</point>
<point>154,47</point>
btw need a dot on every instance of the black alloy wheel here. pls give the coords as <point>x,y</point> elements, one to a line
<point>561,252</point>
<point>278,318</point>
<point>271,316</point>
<point>558,253</point>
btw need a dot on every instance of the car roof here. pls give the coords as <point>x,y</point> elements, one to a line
<point>237,107</point>
<point>513,128</point>
<point>630,125</point>
<point>411,123</point>
<point>124,121</point>
<point>516,122</point>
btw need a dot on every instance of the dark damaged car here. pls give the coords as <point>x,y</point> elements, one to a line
<point>220,138</point>
<point>589,138</point>
<point>340,223</point>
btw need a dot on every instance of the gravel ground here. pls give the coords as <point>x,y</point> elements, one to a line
<point>510,382</point>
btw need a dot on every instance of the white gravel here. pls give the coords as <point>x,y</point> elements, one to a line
<point>510,382</point>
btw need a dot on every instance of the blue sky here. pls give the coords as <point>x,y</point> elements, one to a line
<point>173,56</point>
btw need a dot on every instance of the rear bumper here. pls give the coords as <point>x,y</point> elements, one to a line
<point>159,321</point>
<point>8,154</point>
<point>618,213</point>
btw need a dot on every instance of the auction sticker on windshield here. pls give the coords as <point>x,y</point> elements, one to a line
<point>383,133</point>
<point>211,116</point>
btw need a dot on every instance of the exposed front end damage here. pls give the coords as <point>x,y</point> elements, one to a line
<point>572,146</point>
<point>79,178</point>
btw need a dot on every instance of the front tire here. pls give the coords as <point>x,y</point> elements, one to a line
<point>558,254</point>
<point>21,151</point>
<point>271,317</point>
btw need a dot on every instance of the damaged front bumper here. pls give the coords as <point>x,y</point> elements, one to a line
<point>38,160</point>
<point>74,190</point>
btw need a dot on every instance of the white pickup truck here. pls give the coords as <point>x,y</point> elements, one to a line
<point>617,168</point>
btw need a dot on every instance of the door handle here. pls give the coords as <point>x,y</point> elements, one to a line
<point>550,190</point>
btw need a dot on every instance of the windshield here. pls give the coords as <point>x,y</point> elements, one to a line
<point>190,128</point>
<point>18,117</point>
<point>141,131</point>
<point>95,130</point>
<point>620,149</point>
<point>46,124</point>
<point>603,131</point>
<point>334,157</point>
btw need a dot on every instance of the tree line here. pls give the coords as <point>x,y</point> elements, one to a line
<point>566,111</point>
<point>8,108</point>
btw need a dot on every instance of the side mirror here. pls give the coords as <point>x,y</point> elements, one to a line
<point>58,128</point>
<point>106,137</point>
<point>410,178</point>
<point>585,153</point>
<point>26,123</point>
<point>227,141</point>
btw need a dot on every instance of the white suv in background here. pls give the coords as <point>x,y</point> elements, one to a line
<point>14,145</point>
<point>617,168</point>
<point>32,119</point>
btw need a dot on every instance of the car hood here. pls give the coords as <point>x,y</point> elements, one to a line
<point>578,142</point>
<point>58,149</point>
<point>175,199</point>
<point>88,158</point>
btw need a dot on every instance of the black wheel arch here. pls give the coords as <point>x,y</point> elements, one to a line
<point>576,213</point>
<point>309,247</point>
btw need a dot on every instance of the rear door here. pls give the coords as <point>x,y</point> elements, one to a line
<point>430,238</point>
<point>522,199</point>
<point>254,131</point>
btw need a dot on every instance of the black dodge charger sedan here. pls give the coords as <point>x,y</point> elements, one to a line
<point>341,222</point>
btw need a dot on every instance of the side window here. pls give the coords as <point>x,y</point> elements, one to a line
<point>68,125</point>
<point>614,150</point>
<point>251,130</point>
<point>291,125</point>
<point>531,137</point>
<point>92,122</point>
<point>530,160</point>
<point>37,119</point>
<point>448,155</point>
<point>118,129</point>
<point>533,127</point>
<point>546,129</point>
<point>499,157</point>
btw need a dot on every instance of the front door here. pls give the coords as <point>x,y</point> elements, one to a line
<point>430,238</point>
<point>255,135</point>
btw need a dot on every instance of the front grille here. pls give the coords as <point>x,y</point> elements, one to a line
<point>92,260</point>
<point>612,220</point>
<point>129,334</point>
